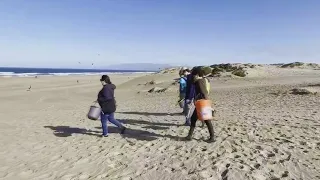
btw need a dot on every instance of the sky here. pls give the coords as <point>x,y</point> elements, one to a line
<point>62,33</point>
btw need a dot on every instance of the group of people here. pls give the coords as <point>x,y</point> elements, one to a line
<point>193,86</point>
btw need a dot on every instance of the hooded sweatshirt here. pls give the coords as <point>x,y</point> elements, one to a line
<point>106,98</point>
<point>190,88</point>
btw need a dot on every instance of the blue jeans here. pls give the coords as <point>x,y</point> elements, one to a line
<point>105,118</point>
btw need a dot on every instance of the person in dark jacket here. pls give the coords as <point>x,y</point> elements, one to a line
<point>199,93</point>
<point>190,95</point>
<point>107,103</point>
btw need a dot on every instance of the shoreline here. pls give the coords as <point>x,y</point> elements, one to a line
<point>33,75</point>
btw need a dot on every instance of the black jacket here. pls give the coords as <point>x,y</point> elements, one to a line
<point>193,89</point>
<point>106,99</point>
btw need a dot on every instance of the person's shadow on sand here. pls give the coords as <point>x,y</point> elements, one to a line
<point>151,114</point>
<point>153,125</point>
<point>66,131</point>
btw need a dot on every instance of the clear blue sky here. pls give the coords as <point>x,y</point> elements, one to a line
<point>60,33</point>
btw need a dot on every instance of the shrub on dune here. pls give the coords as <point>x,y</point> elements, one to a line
<point>206,70</point>
<point>292,65</point>
<point>216,71</point>
<point>239,72</point>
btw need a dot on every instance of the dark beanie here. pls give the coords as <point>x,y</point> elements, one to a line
<point>104,77</point>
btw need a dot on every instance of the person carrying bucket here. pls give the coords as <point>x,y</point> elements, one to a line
<point>189,99</point>
<point>201,92</point>
<point>107,103</point>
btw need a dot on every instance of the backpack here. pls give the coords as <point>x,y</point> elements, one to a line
<point>204,85</point>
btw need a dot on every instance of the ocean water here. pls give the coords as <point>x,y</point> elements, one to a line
<point>27,72</point>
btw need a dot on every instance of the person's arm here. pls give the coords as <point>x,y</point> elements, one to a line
<point>188,89</point>
<point>183,85</point>
<point>108,91</point>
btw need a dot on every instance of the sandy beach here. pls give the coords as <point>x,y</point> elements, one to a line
<point>262,130</point>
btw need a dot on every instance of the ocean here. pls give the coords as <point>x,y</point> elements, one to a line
<point>27,72</point>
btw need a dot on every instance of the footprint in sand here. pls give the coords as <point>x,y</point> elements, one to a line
<point>26,173</point>
<point>267,154</point>
<point>4,168</point>
<point>82,161</point>
<point>302,143</point>
<point>68,177</point>
<point>259,147</point>
<point>224,174</point>
<point>257,166</point>
<point>126,178</point>
<point>205,174</point>
<point>171,148</point>
<point>53,158</point>
<point>84,176</point>
<point>102,176</point>
<point>45,176</point>
<point>56,163</point>
<point>38,147</point>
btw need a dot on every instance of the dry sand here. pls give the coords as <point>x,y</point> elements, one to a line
<point>262,131</point>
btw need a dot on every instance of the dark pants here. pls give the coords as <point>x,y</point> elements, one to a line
<point>194,119</point>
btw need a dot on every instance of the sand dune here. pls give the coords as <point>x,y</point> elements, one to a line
<point>262,130</point>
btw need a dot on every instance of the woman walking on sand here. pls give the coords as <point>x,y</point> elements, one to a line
<point>201,91</point>
<point>107,103</point>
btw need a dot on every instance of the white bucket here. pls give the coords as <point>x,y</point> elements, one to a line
<point>94,112</point>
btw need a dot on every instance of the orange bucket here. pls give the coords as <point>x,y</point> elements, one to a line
<point>204,109</point>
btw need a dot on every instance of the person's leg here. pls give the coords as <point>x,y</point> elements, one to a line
<point>188,121</point>
<point>182,96</point>
<point>213,112</point>
<point>189,113</point>
<point>211,131</point>
<point>194,119</point>
<point>202,122</point>
<point>115,122</point>
<point>103,118</point>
